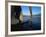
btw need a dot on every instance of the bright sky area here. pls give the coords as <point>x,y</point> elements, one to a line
<point>35,10</point>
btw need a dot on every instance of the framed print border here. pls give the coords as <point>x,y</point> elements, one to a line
<point>6,13</point>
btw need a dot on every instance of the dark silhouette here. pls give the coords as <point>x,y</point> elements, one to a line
<point>17,11</point>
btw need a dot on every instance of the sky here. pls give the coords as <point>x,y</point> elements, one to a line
<point>26,11</point>
<point>36,10</point>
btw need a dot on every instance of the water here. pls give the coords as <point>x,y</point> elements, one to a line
<point>36,22</point>
<point>27,25</point>
<point>26,18</point>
